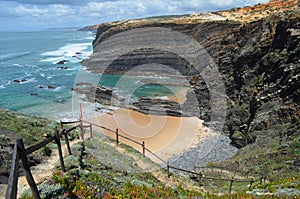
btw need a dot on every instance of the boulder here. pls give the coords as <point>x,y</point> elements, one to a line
<point>63,61</point>
<point>61,67</point>
<point>51,87</point>
<point>20,80</point>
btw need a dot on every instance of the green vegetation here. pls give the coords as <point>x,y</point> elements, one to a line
<point>89,177</point>
<point>97,170</point>
<point>98,175</point>
<point>30,128</point>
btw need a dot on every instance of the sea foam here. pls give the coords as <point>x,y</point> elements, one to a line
<point>68,50</point>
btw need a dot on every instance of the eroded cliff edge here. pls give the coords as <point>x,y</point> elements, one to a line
<point>258,61</point>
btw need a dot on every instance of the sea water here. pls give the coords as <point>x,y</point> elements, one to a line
<point>32,81</point>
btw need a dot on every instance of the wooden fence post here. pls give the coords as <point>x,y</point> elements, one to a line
<point>117,136</point>
<point>57,140</point>
<point>143,145</point>
<point>251,183</point>
<point>61,125</point>
<point>82,130</point>
<point>81,124</point>
<point>67,141</point>
<point>12,186</point>
<point>261,180</point>
<point>168,168</point>
<point>231,183</point>
<point>91,130</point>
<point>27,171</point>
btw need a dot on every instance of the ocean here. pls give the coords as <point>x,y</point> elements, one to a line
<point>32,82</point>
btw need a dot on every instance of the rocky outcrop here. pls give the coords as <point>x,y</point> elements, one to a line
<point>90,28</point>
<point>98,93</point>
<point>261,76</point>
<point>157,107</point>
<point>62,62</point>
<point>258,63</point>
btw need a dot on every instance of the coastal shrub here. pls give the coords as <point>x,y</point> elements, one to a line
<point>141,191</point>
<point>46,151</point>
<point>288,192</point>
<point>73,135</point>
<point>30,128</point>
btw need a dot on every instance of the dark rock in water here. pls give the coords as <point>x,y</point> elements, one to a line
<point>61,101</point>
<point>63,62</point>
<point>20,80</point>
<point>78,53</point>
<point>61,67</point>
<point>33,94</point>
<point>51,87</point>
<point>98,93</point>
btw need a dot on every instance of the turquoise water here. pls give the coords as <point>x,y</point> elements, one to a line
<point>31,57</point>
<point>45,87</point>
<point>133,86</point>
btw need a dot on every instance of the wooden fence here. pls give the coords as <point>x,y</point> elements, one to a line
<point>198,175</point>
<point>21,152</point>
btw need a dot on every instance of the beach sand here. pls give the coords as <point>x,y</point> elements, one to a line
<point>166,136</point>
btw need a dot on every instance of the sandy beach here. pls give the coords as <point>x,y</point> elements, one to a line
<point>166,136</point>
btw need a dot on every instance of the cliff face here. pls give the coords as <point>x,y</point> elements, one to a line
<point>261,72</point>
<point>258,61</point>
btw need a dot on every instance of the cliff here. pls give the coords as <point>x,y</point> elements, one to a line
<point>258,59</point>
<point>93,28</point>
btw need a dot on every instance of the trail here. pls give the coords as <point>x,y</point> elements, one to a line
<point>44,170</point>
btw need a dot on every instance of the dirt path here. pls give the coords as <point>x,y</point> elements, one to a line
<point>43,171</point>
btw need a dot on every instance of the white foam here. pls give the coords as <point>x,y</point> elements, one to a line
<point>29,81</point>
<point>91,38</point>
<point>58,88</point>
<point>53,59</point>
<point>2,87</point>
<point>68,50</point>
